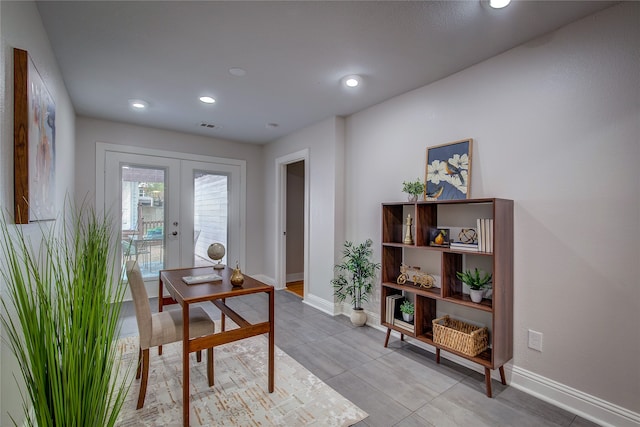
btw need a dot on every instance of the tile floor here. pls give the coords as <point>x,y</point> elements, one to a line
<point>397,386</point>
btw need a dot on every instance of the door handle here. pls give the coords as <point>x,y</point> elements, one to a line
<point>175,233</point>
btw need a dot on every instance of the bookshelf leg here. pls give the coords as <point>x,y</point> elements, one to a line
<point>437,355</point>
<point>502,377</point>
<point>401,337</point>
<point>386,340</point>
<point>487,380</point>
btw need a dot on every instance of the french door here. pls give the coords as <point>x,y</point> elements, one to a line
<point>170,209</point>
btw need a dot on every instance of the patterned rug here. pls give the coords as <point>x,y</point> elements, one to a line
<point>239,396</point>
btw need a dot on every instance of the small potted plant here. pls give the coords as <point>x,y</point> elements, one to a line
<point>477,281</point>
<point>407,309</point>
<point>413,189</point>
<point>355,278</point>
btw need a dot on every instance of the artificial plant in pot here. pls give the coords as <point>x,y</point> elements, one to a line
<point>407,309</point>
<point>477,281</point>
<point>355,278</point>
<point>413,188</point>
<point>60,313</point>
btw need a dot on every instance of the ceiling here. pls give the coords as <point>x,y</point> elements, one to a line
<point>294,54</point>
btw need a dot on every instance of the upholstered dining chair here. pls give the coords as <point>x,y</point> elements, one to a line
<point>162,328</point>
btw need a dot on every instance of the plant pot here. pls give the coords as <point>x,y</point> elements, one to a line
<point>358,317</point>
<point>476,294</point>
<point>412,198</point>
<point>407,317</point>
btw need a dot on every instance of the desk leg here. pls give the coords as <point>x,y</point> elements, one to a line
<point>160,303</point>
<point>271,339</point>
<point>185,364</point>
<point>222,317</point>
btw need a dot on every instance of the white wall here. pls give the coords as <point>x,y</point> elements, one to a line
<point>22,27</point>
<point>556,129</point>
<point>325,141</point>
<point>89,131</point>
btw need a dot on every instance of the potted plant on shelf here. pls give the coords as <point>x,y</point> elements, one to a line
<point>60,315</point>
<point>355,278</point>
<point>407,309</point>
<point>477,281</point>
<point>413,189</point>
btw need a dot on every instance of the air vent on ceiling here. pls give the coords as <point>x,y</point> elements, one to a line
<point>207,125</point>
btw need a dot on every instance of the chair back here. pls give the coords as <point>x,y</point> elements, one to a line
<point>140,302</point>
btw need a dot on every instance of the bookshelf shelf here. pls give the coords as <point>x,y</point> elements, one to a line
<point>431,303</point>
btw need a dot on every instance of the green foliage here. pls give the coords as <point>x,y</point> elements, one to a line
<point>407,307</point>
<point>356,273</point>
<point>474,279</point>
<point>414,188</point>
<point>60,322</point>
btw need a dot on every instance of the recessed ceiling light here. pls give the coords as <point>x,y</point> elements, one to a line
<point>499,4</point>
<point>351,81</point>
<point>237,71</point>
<point>138,104</point>
<point>207,99</point>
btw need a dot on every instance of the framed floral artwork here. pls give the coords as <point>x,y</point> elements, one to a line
<point>449,171</point>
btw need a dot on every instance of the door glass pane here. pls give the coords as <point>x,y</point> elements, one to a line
<point>143,217</point>
<point>210,214</point>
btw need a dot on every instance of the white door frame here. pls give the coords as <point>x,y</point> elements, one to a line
<point>102,148</point>
<point>281,217</point>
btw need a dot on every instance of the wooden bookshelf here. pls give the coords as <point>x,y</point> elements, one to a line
<point>431,303</point>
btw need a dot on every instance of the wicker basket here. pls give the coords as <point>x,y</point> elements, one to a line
<point>460,336</point>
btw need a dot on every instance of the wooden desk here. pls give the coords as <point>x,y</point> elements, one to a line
<point>216,292</point>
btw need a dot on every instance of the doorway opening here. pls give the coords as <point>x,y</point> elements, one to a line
<point>295,228</point>
<point>292,261</point>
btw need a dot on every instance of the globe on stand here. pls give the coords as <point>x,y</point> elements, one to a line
<point>216,252</point>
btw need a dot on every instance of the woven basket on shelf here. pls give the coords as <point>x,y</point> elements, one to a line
<point>460,336</point>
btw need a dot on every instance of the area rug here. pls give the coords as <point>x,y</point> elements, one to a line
<point>239,396</point>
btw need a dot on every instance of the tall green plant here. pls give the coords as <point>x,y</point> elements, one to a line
<point>60,320</point>
<point>356,273</point>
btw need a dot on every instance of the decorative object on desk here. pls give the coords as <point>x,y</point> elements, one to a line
<point>237,278</point>
<point>60,328</point>
<point>413,189</point>
<point>408,239</point>
<point>34,142</point>
<point>439,237</point>
<point>477,282</point>
<point>449,171</point>
<point>407,309</point>
<point>355,278</point>
<point>216,252</point>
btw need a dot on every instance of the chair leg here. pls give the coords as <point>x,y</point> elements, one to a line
<point>210,366</point>
<point>145,378</point>
<point>139,370</point>
<point>199,356</point>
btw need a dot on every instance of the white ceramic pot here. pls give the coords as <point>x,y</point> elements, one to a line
<point>358,317</point>
<point>476,294</point>
<point>407,317</point>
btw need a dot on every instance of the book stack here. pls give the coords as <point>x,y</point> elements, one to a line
<point>485,234</point>
<point>409,327</point>
<point>393,307</point>
<point>459,246</point>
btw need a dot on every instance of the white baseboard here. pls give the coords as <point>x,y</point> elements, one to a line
<point>575,401</point>
<point>320,304</point>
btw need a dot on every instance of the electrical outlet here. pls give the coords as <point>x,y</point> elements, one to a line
<point>535,340</point>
